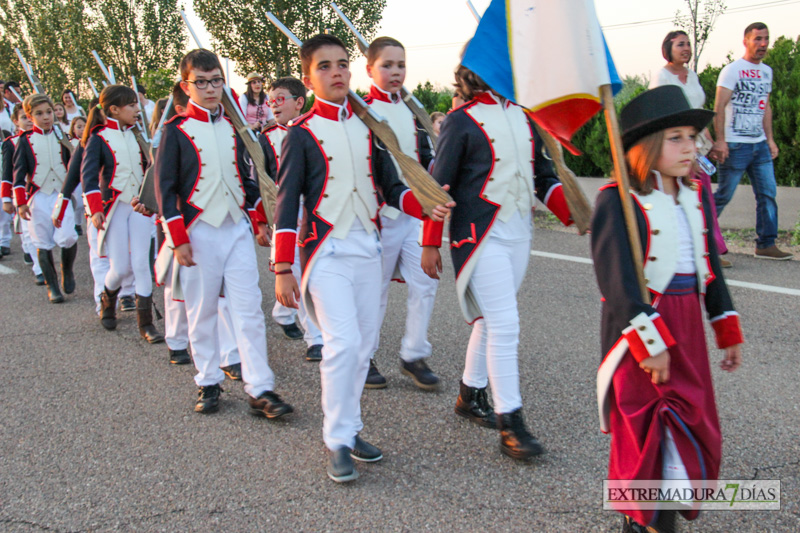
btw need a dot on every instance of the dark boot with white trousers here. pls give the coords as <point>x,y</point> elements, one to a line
<point>50,276</point>
<point>515,439</point>
<point>144,318</point>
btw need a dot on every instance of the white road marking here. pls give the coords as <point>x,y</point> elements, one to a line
<point>7,270</point>
<point>731,282</point>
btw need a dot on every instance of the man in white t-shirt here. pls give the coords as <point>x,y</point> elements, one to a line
<point>743,126</point>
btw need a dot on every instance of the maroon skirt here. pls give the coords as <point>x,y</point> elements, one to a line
<point>641,411</point>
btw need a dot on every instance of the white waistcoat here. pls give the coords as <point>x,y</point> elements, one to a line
<point>218,190</point>
<point>349,191</point>
<point>128,174</point>
<point>510,181</point>
<point>50,170</point>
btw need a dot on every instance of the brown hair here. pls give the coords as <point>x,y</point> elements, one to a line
<point>666,46</point>
<point>200,59</point>
<point>18,110</point>
<point>468,84</point>
<point>118,95</point>
<point>376,46</point>
<point>641,159</point>
<point>35,100</point>
<point>436,115</point>
<point>315,43</point>
<point>72,125</point>
<point>291,84</point>
<point>755,26</point>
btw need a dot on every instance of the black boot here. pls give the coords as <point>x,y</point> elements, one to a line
<point>67,260</point>
<point>50,276</point>
<point>473,404</point>
<point>515,440</point>
<point>108,310</point>
<point>144,317</point>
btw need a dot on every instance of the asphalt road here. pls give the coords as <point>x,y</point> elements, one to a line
<point>98,431</point>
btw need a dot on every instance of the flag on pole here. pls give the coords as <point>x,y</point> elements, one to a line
<point>548,56</point>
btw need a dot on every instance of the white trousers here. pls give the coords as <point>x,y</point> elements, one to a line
<point>5,227</point>
<point>400,240</point>
<point>28,247</point>
<point>99,266</point>
<point>128,248</point>
<point>286,315</point>
<point>44,234</point>
<point>176,327</point>
<point>492,348</point>
<point>226,256</point>
<point>344,286</point>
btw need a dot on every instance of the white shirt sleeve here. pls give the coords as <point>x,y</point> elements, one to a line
<point>243,103</point>
<point>728,77</point>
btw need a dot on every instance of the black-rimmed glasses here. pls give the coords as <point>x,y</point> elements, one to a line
<point>202,83</point>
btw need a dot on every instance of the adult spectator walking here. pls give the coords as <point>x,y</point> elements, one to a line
<point>677,50</point>
<point>254,103</point>
<point>743,126</point>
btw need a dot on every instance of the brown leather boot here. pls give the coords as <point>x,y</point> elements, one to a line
<point>108,309</point>
<point>144,317</point>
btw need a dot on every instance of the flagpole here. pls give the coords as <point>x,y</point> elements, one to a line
<point>623,185</point>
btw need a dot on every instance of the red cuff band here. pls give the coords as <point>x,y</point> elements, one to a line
<point>20,196</point>
<point>62,208</point>
<point>5,190</point>
<point>432,232</point>
<point>728,331</point>
<point>262,214</point>
<point>284,246</point>
<point>557,204</point>
<point>95,201</point>
<point>177,231</point>
<point>411,205</point>
<point>637,345</point>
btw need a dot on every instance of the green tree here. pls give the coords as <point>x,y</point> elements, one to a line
<point>434,98</point>
<point>242,32</point>
<point>137,36</point>
<point>698,23</point>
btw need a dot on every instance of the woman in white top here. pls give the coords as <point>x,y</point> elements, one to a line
<point>255,104</point>
<point>71,105</point>
<point>677,50</point>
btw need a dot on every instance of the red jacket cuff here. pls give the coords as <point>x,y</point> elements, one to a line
<point>648,336</point>
<point>62,208</point>
<point>20,196</point>
<point>728,331</point>
<point>284,246</point>
<point>260,212</point>
<point>255,218</point>
<point>177,231</point>
<point>432,232</point>
<point>557,204</point>
<point>5,190</point>
<point>410,205</point>
<point>95,201</point>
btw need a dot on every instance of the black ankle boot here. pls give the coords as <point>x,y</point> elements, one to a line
<point>50,276</point>
<point>108,310</point>
<point>473,404</point>
<point>515,440</point>
<point>67,276</point>
<point>144,317</point>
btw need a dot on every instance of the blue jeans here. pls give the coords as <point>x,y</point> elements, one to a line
<point>757,161</point>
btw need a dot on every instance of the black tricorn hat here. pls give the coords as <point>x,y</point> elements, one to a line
<point>658,109</point>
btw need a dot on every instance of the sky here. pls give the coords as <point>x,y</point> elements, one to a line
<point>434,31</point>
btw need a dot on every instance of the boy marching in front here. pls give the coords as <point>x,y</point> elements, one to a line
<point>331,159</point>
<point>208,200</point>
<point>40,167</point>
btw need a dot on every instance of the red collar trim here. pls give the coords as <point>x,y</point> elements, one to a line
<point>37,129</point>
<point>330,110</point>
<point>379,94</point>
<point>197,112</point>
<point>488,98</point>
<point>114,124</point>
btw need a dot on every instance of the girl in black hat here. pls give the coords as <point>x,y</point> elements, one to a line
<point>655,391</point>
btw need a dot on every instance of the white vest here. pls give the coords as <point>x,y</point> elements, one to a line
<point>128,174</point>
<point>218,191</point>
<point>275,137</point>
<point>510,180</point>
<point>50,170</point>
<point>401,119</point>
<point>349,192</point>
